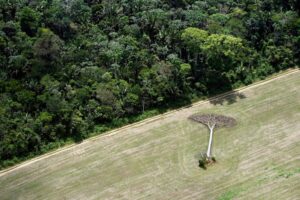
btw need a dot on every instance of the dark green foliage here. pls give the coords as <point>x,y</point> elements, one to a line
<point>202,164</point>
<point>67,67</point>
<point>29,21</point>
<point>204,161</point>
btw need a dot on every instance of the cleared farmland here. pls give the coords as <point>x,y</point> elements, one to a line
<point>257,159</point>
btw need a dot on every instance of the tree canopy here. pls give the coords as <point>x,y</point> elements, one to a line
<point>213,120</point>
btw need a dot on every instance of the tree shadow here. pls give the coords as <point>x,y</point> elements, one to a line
<point>227,98</point>
<point>219,84</point>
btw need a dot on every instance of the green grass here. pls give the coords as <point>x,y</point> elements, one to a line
<point>229,195</point>
<point>257,159</point>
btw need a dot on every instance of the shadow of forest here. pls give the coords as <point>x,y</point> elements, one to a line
<point>228,99</point>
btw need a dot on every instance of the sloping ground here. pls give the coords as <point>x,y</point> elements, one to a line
<point>257,159</point>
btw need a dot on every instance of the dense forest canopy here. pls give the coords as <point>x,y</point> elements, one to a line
<point>69,65</point>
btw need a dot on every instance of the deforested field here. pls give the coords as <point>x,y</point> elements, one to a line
<point>257,159</point>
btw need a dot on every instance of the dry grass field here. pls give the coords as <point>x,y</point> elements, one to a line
<point>257,159</point>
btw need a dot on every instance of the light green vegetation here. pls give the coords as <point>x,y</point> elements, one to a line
<point>257,159</point>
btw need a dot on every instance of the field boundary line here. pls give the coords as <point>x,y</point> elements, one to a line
<point>148,120</point>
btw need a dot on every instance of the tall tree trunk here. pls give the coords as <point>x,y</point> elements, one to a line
<point>143,106</point>
<point>210,142</point>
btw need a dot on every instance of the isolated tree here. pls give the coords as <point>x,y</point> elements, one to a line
<point>213,121</point>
